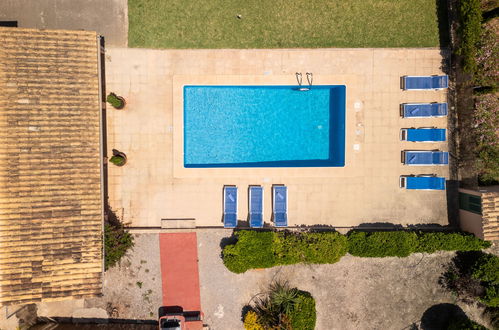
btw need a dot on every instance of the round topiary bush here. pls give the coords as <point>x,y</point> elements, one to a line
<point>118,102</point>
<point>118,158</point>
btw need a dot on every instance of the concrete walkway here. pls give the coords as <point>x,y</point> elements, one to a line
<point>154,185</point>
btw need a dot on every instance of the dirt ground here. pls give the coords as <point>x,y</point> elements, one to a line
<point>355,293</point>
<point>109,18</point>
<point>132,290</point>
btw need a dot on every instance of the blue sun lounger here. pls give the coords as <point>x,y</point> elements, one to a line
<point>422,110</point>
<point>230,206</point>
<point>421,158</point>
<point>425,82</point>
<point>256,206</point>
<point>422,134</point>
<point>422,182</point>
<point>280,205</point>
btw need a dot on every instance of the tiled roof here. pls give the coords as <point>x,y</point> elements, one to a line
<point>490,215</point>
<point>50,179</point>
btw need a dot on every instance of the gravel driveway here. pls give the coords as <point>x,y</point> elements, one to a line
<point>355,293</point>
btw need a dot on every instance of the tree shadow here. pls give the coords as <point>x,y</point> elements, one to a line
<point>377,226</point>
<point>443,23</point>
<point>439,317</point>
<point>231,240</point>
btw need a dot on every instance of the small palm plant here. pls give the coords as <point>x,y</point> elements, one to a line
<point>118,102</point>
<point>274,308</point>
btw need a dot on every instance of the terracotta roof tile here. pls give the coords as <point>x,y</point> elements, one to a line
<point>50,180</point>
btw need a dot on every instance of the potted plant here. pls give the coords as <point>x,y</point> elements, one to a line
<point>118,158</point>
<point>118,102</point>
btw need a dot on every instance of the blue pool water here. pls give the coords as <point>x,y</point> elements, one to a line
<point>264,126</point>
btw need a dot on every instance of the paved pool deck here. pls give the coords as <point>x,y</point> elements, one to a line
<point>154,185</point>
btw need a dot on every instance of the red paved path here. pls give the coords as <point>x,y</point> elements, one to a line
<point>179,269</point>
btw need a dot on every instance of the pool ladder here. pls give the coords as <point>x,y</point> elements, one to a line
<point>299,79</point>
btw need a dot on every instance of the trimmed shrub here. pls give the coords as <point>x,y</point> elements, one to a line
<point>305,319</point>
<point>432,242</point>
<point>403,243</point>
<point>256,249</point>
<point>381,244</point>
<point>264,249</point>
<point>252,250</point>
<point>314,248</point>
<point>115,101</point>
<point>117,160</point>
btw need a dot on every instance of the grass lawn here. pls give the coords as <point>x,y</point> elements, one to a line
<point>283,23</point>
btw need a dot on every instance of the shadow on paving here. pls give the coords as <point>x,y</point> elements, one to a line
<point>95,323</point>
<point>439,316</point>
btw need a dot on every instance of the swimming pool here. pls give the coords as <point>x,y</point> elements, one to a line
<point>264,126</point>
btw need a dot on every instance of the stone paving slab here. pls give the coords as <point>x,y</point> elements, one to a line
<point>154,185</point>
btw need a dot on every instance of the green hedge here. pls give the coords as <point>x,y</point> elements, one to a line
<point>432,242</point>
<point>264,249</point>
<point>470,31</point>
<point>381,244</point>
<point>403,243</point>
<point>252,250</point>
<point>256,249</point>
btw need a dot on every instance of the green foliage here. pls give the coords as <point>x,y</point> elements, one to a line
<point>475,276</point>
<point>251,321</point>
<point>491,297</point>
<point>117,160</point>
<point>305,319</point>
<point>252,250</point>
<point>117,241</point>
<point>486,269</point>
<point>315,248</point>
<point>255,249</point>
<point>114,101</point>
<point>282,307</point>
<point>264,249</point>
<point>488,163</point>
<point>432,242</point>
<point>464,323</point>
<point>381,244</point>
<point>470,30</point>
<point>283,296</point>
<point>403,243</point>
